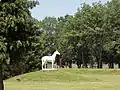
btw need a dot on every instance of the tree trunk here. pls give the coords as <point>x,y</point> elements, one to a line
<point>118,65</point>
<point>1,78</point>
<point>111,65</point>
<point>99,64</point>
<point>60,63</point>
<point>70,64</point>
<point>78,64</point>
<point>83,61</point>
<point>100,59</point>
<point>91,64</point>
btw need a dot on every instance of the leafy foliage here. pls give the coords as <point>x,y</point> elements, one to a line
<point>90,36</point>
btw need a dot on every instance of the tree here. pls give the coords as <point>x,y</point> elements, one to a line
<point>113,14</point>
<point>2,60</point>
<point>17,32</point>
<point>85,36</point>
<point>64,32</point>
<point>91,23</point>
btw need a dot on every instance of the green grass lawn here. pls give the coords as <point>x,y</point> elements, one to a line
<point>67,79</point>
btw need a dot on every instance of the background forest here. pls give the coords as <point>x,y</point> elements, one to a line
<point>89,38</point>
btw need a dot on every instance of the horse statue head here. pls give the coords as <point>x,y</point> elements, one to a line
<point>56,52</point>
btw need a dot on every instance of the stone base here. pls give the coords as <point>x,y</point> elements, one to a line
<point>48,69</point>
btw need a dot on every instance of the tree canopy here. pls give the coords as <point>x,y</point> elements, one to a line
<point>89,38</point>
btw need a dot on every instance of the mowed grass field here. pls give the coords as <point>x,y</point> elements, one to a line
<point>67,79</point>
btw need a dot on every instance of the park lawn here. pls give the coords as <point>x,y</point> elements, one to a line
<point>67,79</point>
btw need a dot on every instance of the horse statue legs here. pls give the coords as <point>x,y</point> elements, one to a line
<point>52,64</point>
<point>44,63</point>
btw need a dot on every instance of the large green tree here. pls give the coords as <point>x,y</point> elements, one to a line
<point>17,32</point>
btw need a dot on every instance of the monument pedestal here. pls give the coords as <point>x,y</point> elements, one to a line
<point>48,69</point>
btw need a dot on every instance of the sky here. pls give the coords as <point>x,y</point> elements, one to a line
<point>57,8</point>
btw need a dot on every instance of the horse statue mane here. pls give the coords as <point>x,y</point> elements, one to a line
<point>46,59</point>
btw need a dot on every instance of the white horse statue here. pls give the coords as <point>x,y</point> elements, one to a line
<point>46,59</point>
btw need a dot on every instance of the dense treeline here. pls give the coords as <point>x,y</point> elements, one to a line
<point>87,38</point>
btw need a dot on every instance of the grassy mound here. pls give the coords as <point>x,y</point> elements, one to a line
<point>67,79</point>
<point>70,75</point>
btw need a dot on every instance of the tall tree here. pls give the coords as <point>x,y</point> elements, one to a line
<point>91,22</point>
<point>49,25</point>
<point>17,31</point>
